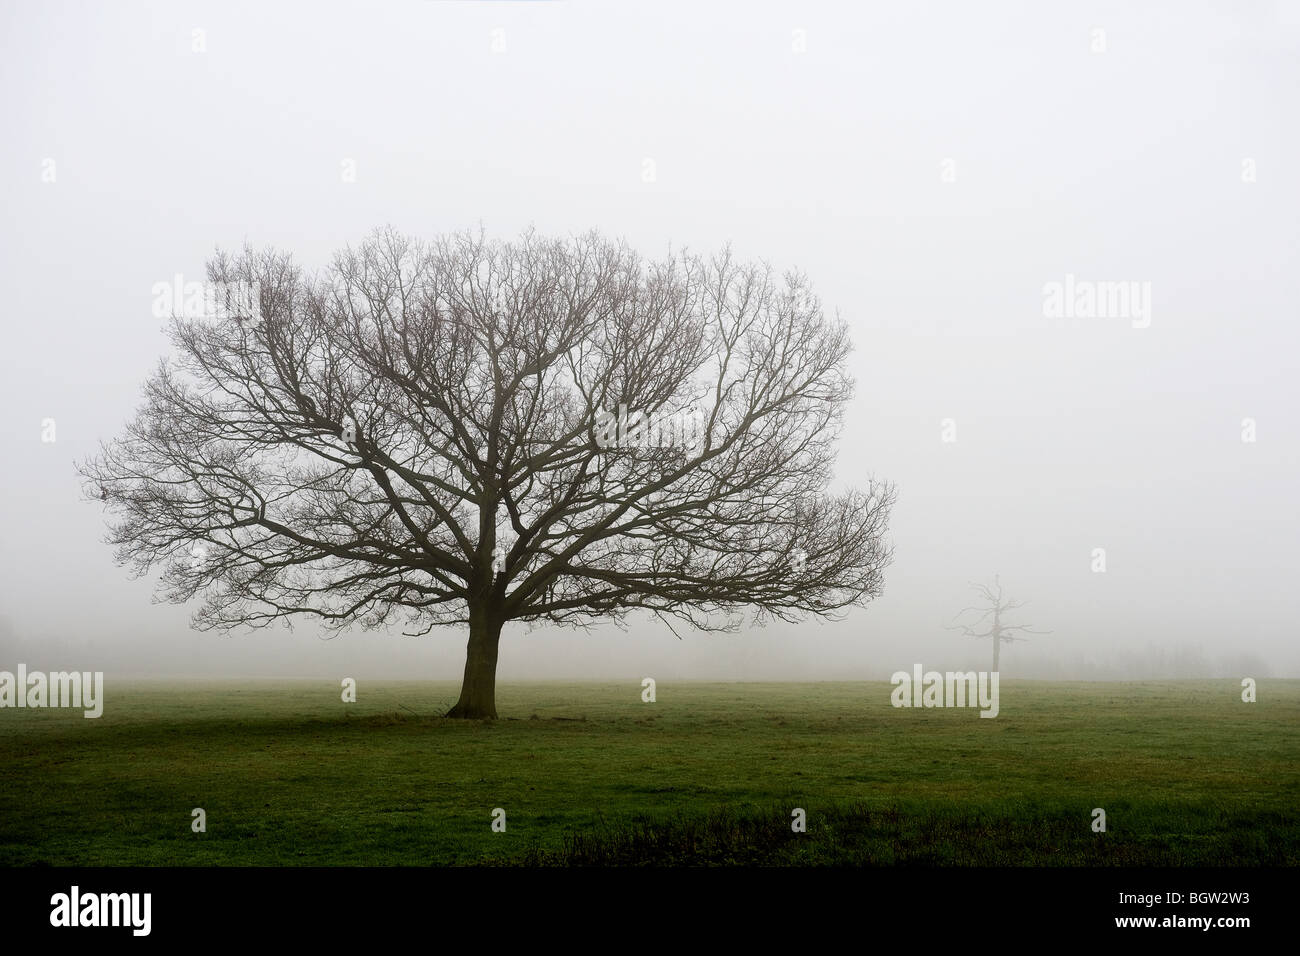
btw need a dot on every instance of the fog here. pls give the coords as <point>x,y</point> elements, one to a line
<point>931,167</point>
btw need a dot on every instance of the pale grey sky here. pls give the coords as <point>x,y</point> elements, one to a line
<point>931,167</point>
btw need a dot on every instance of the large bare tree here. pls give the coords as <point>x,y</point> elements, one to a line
<point>471,432</point>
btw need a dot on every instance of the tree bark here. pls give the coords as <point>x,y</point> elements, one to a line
<point>478,691</point>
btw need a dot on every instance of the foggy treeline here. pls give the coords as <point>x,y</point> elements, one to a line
<point>755,656</point>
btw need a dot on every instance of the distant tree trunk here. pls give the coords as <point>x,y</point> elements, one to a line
<point>997,635</point>
<point>478,692</point>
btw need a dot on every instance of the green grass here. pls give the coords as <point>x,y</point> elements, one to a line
<point>587,773</point>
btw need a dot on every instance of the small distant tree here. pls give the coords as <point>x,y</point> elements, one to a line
<point>988,618</point>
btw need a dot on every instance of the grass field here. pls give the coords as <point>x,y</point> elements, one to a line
<point>708,774</point>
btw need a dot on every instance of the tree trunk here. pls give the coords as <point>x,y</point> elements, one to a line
<point>997,631</point>
<point>478,692</point>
